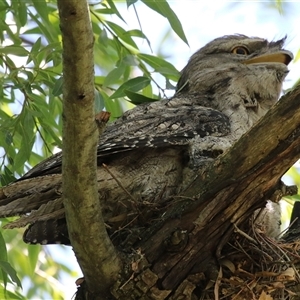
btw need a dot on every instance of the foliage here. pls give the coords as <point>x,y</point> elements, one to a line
<point>31,74</point>
<point>40,274</point>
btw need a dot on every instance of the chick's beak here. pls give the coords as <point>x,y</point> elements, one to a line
<point>284,57</point>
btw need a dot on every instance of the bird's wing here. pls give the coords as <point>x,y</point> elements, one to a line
<point>146,128</point>
<point>168,127</point>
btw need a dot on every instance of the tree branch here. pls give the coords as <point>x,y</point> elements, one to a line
<point>92,246</point>
<point>225,194</point>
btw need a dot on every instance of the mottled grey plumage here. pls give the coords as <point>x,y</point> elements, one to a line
<point>155,150</point>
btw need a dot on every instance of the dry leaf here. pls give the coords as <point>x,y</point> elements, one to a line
<point>288,275</point>
<point>229,264</point>
<point>278,285</point>
<point>265,274</point>
<point>265,296</point>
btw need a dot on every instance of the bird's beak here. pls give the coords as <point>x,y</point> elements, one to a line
<point>284,57</point>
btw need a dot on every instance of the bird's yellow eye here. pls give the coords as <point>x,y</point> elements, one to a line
<point>240,50</point>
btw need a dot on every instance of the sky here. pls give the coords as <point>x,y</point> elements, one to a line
<point>203,21</point>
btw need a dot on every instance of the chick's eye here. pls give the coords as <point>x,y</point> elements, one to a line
<point>240,50</point>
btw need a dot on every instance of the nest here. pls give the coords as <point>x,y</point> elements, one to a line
<point>257,267</point>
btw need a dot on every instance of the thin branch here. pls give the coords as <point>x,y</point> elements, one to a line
<point>119,183</point>
<point>94,251</point>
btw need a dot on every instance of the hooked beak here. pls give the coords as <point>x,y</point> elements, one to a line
<point>284,57</point>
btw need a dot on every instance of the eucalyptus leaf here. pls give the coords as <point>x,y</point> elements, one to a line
<point>33,255</point>
<point>163,8</point>
<point>42,9</point>
<point>15,50</point>
<point>58,86</point>
<point>114,75</point>
<point>161,66</point>
<point>99,102</point>
<point>122,34</point>
<point>130,2</point>
<point>22,10</point>
<point>9,270</point>
<point>137,99</point>
<point>134,85</point>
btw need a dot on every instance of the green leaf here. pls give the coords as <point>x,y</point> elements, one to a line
<point>42,9</point>
<point>137,33</point>
<point>8,138</point>
<point>169,85</point>
<point>7,177</point>
<point>49,127</point>
<point>8,269</point>
<point>130,60</point>
<point>99,102</point>
<point>36,46</point>
<point>160,66</point>
<point>114,9</point>
<point>134,85</point>
<point>103,38</point>
<point>15,50</point>
<point>11,295</point>
<point>122,34</point>
<point>114,75</point>
<point>148,92</point>
<point>26,131</point>
<point>4,5</point>
<point>58,87</point>
<point>44,28</point>
<point>10,34</point>
<point>163,8</point>
<point>140,34</point>
<point>4,278</point>
<point>112,106</point>
<point>3,250</point>
<point>295,198</point>
<point>33,255</point>
<point>137,99</point>
<point>130,2</point>
<point>99,80</point>
<point>22,11</point>
<point>34,51</point>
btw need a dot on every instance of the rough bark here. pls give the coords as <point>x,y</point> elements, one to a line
<point>190,237</point>
<point>165,260</point>
<point>92,246</point>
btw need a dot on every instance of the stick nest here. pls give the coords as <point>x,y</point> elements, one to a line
<point>257,267</point>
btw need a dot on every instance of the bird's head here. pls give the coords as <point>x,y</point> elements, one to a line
<point>238,62</point>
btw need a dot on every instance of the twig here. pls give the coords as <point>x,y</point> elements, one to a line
<point>245,235</point>
<point>119,183</point>
<point>217,284</point>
